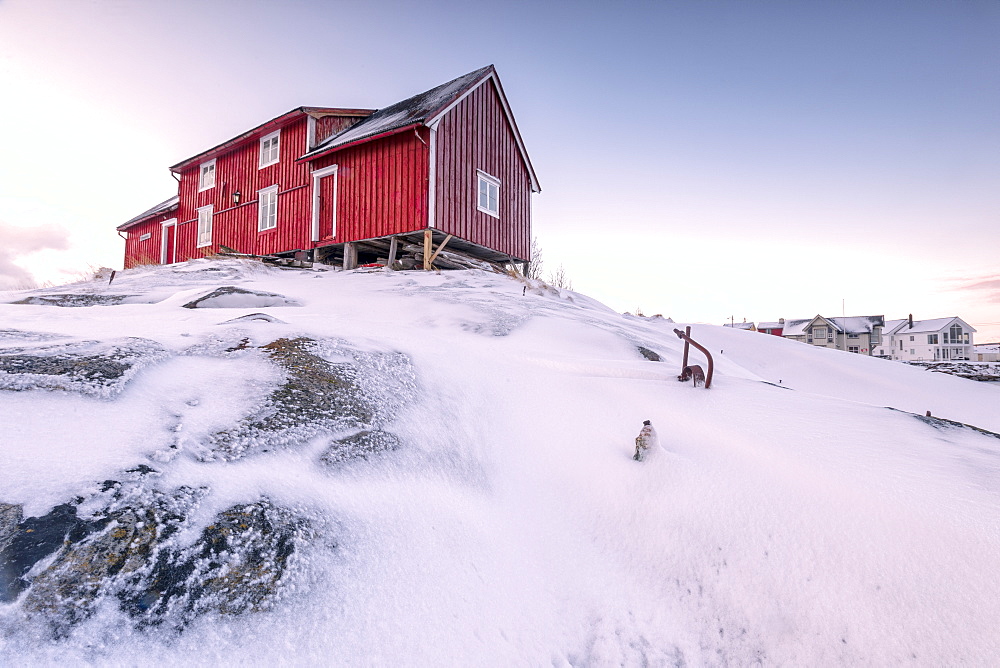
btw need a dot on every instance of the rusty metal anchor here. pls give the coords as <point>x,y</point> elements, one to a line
<point>694,372</point>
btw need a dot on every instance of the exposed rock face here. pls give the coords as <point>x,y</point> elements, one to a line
<point>361,445</point>
<point>230,296</point>
<point>76,300</point>
<point>94,368</point>
<point>649,354</point>
<point>64,566</point>
<point>361,392</point>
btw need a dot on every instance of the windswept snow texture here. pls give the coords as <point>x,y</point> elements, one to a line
<point>480,505</point>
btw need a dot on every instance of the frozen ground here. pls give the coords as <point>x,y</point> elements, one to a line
<point>435,469</point>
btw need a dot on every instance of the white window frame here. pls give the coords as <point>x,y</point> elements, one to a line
<point>145,237</point>
<point>205,214</point>
<point>267,208</point>
<point>490,181</point>
<point>819,332</point>
<point>273,154</point>
<point>854,349</point>
<point>204,183</point>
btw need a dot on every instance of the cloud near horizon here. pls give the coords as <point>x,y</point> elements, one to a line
<point>16,242</point>
<point>989,285</point>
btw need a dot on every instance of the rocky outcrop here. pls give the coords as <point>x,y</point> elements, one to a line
<point>63,566</point>
<point>360,392</point>
<point>89,367</point>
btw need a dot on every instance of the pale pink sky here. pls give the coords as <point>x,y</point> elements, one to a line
<point>703,160</point>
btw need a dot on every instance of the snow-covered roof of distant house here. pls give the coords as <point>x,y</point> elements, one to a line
<point>740,325</point>
<point>858,324</point>
<point>770,325</point>
<point>920,326</point>
<point>987,347</point>
<point>421,109</point>
<point>162,207</point>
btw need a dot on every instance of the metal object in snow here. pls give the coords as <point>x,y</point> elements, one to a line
<point>688,372</point>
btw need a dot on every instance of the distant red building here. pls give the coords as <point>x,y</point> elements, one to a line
<point>346,185</point>
<point>775,328</point>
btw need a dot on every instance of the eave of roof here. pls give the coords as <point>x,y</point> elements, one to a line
<point>165,206</point>
<point>265,128</point>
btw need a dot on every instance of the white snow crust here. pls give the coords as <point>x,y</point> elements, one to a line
<point>791,519</point>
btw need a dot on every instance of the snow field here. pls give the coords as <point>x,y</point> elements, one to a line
<point>802,526</point>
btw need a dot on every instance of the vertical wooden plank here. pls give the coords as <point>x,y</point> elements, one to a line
<point>427,249</point>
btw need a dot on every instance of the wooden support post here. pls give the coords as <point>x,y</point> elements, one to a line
<point>441,247</point>
<point>428,244</point>
<point>392,253</point>
<point>350,256</point>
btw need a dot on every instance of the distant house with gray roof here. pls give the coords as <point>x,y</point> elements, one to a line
<point>853,334</point>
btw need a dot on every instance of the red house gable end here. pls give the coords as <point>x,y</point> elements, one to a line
<point>348,179</point>
<point>472,137</point>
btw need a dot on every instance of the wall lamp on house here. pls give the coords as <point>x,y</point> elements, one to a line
<point>236,198</point>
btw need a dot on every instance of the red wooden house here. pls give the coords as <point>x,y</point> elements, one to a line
<point>447,166</point>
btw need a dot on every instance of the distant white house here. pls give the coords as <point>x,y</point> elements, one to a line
<point>986,352</point>
<point>854,334</point>
<point>927,340</point>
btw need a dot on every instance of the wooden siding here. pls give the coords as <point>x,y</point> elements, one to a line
<point>236,226</point>
<point>475,136</point>
<point>328,125</point>
<point>145,252</point>
<point>381,187</point>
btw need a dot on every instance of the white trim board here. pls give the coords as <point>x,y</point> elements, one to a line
<point>316,177</point>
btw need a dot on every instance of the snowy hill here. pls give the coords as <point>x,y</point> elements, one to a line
<point>222,463</point>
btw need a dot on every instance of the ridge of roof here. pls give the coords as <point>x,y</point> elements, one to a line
<point>411,111</point>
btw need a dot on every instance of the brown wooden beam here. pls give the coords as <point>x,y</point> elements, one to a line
<point>441,247</point>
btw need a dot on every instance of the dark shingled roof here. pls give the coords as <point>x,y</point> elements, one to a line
<point>417,109</point>
<point>162,207</point>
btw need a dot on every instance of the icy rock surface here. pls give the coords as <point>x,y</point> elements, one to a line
<point>329,389</point>
<point>230,296</point>
<point>90,367</point>
<point>76,300</point>
<point>127,551</point>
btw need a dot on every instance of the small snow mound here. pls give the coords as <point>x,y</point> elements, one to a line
<point>230,296</point>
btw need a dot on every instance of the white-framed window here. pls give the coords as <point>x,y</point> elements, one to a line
<point>489,194</point>
<point>206,175</point>
<point>932,339</point>
<point>270,146</point>
<point>853,349</point>
<point>145,236</point>
<point>852,335</point>
<point>205,226</point>
<point>819,332</point>
<point>267,208</point>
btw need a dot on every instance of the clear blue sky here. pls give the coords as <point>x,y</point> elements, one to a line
<point>700,159</point>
